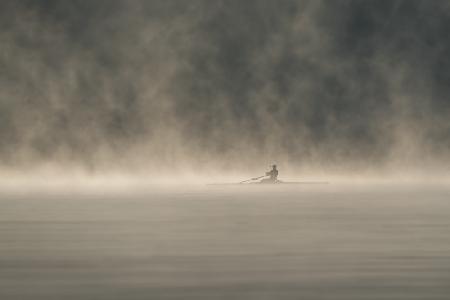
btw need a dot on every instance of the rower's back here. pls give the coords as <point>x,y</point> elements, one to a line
<point>273,174</point>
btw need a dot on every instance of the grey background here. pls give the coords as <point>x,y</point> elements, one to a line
<point>130,85</point>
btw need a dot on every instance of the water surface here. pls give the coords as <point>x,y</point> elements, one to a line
<point>300,242</point>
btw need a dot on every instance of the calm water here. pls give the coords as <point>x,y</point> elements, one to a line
<point>308,242</point>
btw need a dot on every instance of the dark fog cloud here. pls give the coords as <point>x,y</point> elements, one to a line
<point>158,84</point>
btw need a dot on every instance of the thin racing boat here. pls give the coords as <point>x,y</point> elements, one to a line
<point>270,178</point>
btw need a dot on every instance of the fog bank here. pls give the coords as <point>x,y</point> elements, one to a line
<point>213,87</point>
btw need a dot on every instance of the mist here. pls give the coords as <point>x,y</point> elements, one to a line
<point>136,139</point>
<point>208,87</point>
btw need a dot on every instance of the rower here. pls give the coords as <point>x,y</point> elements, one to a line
<point>273,175</point>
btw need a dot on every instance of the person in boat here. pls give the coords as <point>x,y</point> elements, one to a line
<point>273,175</point>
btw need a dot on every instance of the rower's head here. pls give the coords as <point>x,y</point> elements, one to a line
<point>274,167</point>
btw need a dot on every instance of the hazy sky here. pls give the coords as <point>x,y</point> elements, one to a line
<point>233,84</point>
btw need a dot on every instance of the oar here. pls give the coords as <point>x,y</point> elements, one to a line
<point>256,178</point>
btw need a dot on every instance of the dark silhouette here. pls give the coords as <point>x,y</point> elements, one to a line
<point>273,175</point>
